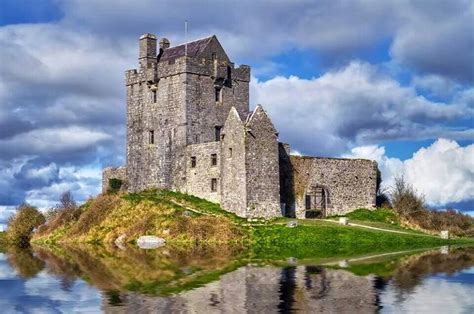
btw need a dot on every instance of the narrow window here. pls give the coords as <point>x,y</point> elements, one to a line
<point>218,94</point>
<point>217,133</point>
<point>229,73</point>
<point>213,185</point>
<point>151,137</point>
<point>153,93</point>
<point>230,152</point>
<point>213,159</point>
<point>193,162</point>
<point>308,202</point>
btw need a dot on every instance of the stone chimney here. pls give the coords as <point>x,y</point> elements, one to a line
<point>147,53</point>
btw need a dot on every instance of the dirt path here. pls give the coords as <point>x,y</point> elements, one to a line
<point>379,229</point>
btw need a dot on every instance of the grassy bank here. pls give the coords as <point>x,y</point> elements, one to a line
<point>324,239</point>
<point>186,220</point>
<point>164,214</point>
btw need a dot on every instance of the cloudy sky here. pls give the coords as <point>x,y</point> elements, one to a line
<point>387,80</point>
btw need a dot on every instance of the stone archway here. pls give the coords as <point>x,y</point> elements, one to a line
<point>316,201</point>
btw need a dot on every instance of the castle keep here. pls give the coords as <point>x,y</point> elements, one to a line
<point>189,129</point>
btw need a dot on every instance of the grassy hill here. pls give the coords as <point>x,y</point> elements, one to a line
<point>185,220</point>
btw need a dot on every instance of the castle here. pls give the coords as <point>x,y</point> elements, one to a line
<point>189,129</point>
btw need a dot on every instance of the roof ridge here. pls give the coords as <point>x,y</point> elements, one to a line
<point>192,41</point>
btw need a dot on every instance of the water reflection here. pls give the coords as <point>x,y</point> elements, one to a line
<point>225,280</point>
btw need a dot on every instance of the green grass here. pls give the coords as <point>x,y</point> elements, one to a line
<point>384,215</point>
<point>331,240</point>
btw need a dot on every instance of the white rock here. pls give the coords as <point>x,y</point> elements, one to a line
<point>119,241</point>
<point>344,221</point>
<point>150,242</point>
<point>444,234</point>
<point>292,224</point>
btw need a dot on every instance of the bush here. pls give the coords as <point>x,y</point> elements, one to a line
<point>95,213</point>
<point>411,207</point>
<point>384,215</point>
<point>114,185</point>
<point>65,212</point>
<point>21,225</point>
<point>405,200</point>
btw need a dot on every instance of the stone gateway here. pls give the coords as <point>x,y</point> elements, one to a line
<point>189,129</point>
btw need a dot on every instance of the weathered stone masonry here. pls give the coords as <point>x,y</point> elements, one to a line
<point>189,129</point>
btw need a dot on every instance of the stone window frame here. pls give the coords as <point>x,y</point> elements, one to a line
<point>218,94</point>
<point>213,160</point>
<point>217,133</point>
<point>214,185</point>
<point>153,96</point>
<point>151,137</point>
<point>193,161</point>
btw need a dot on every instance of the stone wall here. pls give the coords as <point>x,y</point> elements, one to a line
<point>349,184</point>
<point>287,195</point>
<point>114,173</point>
<point>261,158</point>
<point>199,177</point>
<point>233,168</point>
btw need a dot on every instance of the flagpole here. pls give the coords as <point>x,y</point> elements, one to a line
<point>186,38</point>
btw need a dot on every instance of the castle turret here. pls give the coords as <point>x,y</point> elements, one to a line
<point>147,53</point>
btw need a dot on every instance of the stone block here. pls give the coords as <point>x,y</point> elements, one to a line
<point>150,242</point>
<point>292,224</point>
<point>444,234</point>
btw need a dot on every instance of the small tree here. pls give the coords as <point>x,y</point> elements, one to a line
<point>63,213</point>
<point>405,200</point>
<point>22,224</point>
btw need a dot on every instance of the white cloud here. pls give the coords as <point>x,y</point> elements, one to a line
<point>356,105</point>
<point>83,182</point>
<point>451,297</point>
<point>54,140</point>
<point>443,172</point>
<point>338,29</point>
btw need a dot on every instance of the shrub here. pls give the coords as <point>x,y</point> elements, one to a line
<point>95,213</point>
<point>65,212</point>
<point>22,224</point>
<point>384,215</point>
<point>405,200</point>
<point>114,185</point>
<point>411,207</point>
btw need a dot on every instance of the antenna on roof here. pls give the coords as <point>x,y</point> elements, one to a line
<point>186,38</point>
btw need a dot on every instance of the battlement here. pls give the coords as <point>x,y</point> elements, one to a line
<point>200,57</point>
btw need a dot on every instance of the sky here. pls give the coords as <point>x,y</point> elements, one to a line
<point>388,80</point>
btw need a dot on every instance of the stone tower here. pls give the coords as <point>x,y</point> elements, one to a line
<point>179,96</point>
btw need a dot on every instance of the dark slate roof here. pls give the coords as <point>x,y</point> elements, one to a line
<point>194,49</point>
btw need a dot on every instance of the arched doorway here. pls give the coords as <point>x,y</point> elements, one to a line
<point>316,201</point>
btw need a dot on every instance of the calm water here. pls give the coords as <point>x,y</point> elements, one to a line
<point>222,281</point>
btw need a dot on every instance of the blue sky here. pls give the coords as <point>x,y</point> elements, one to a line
<point>386,80</point>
